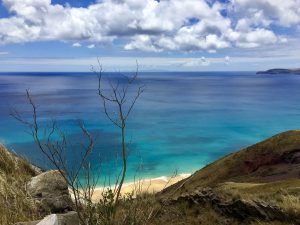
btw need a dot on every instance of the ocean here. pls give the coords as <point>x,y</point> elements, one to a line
<point>182,122</point>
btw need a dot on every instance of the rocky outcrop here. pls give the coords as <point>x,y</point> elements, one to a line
<point>238,208</point>
<point>28,223</point>
<point>70,218</point>
<point>49,220</point>
<point>51,192</point>
<point>243,209</point>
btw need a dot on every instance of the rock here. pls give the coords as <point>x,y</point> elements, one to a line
<point>49,220</point>
<point>28,223</point>
<point>240,208</point>
<point>244,209</point>
<point>70,218</point>
<point>37,170</point>
<point>51,191</point>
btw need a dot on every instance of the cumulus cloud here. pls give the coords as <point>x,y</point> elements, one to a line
<point>150,25</point>
<point>91,46</point>
<point>284,13</point>
<point>77,44</point>
<point>256,38</point>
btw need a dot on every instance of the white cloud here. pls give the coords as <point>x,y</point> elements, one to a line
<point>113,63</point>
<point>149,25</point>
<point>77,44</point>
<point>150,63</point>
<point>284,13</point>
<point>227,60</point>
<point>4,53</point>
<point>91,46</point>
<point>256,38</point>
<point>142,42</point>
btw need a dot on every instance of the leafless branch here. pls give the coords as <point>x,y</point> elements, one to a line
<point>53,144</point>
<point>118,98</point>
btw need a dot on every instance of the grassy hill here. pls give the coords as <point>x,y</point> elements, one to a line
<point>258,185</point>
<point>274,159</point>
<point>15,203</point>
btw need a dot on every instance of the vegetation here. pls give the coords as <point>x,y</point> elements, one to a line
<point>117,107</point>
<point>284,194</point>
<point>140,208</point>
<point>52,142</point>
<point>16,204</point>
<point>267,161</point>
<point>80,177</point>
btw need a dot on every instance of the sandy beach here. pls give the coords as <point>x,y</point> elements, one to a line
<point>145,185</point>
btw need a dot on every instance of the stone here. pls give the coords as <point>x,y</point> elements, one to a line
<point>49,220</point>
<point>244,209</point>
<point>240,208</point>
<point>69,218</point>
<point>28,223</point>
<point>51,192</point>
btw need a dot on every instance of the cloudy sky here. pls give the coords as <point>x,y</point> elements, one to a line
<point>163,35</point>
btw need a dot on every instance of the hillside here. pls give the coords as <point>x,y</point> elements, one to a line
<point>258,185</point>
<point>16,204</point>
<point>274,159</point>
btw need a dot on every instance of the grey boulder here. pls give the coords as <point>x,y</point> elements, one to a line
<point>51,192</point>
<point>70,218</point>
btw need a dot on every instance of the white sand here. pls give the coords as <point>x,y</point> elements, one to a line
<point>145,185</point>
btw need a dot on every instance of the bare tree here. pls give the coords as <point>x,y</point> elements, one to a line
<point>81,179</point>
<point>52,142</point>
<point>118,105</point>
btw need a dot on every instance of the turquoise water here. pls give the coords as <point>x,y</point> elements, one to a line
<point>183,121</point>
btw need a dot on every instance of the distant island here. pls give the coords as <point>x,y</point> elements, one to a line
<point>280,71</point>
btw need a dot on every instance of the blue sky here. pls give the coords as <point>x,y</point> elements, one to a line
<point>166,35</point>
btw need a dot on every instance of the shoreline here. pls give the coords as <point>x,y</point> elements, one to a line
<point>146,185</point>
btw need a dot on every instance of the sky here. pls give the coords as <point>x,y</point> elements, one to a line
<point>162,35</point>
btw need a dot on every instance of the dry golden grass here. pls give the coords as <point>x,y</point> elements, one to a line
<point>233,168</point>
<point>184,214</point>
<point>284,194</point>
<point>270,223</point>
<point>290,204</point>
<point>16,204</point>
<point>140,211</point>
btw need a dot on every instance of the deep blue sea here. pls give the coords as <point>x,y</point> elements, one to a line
<point>182,122</point>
